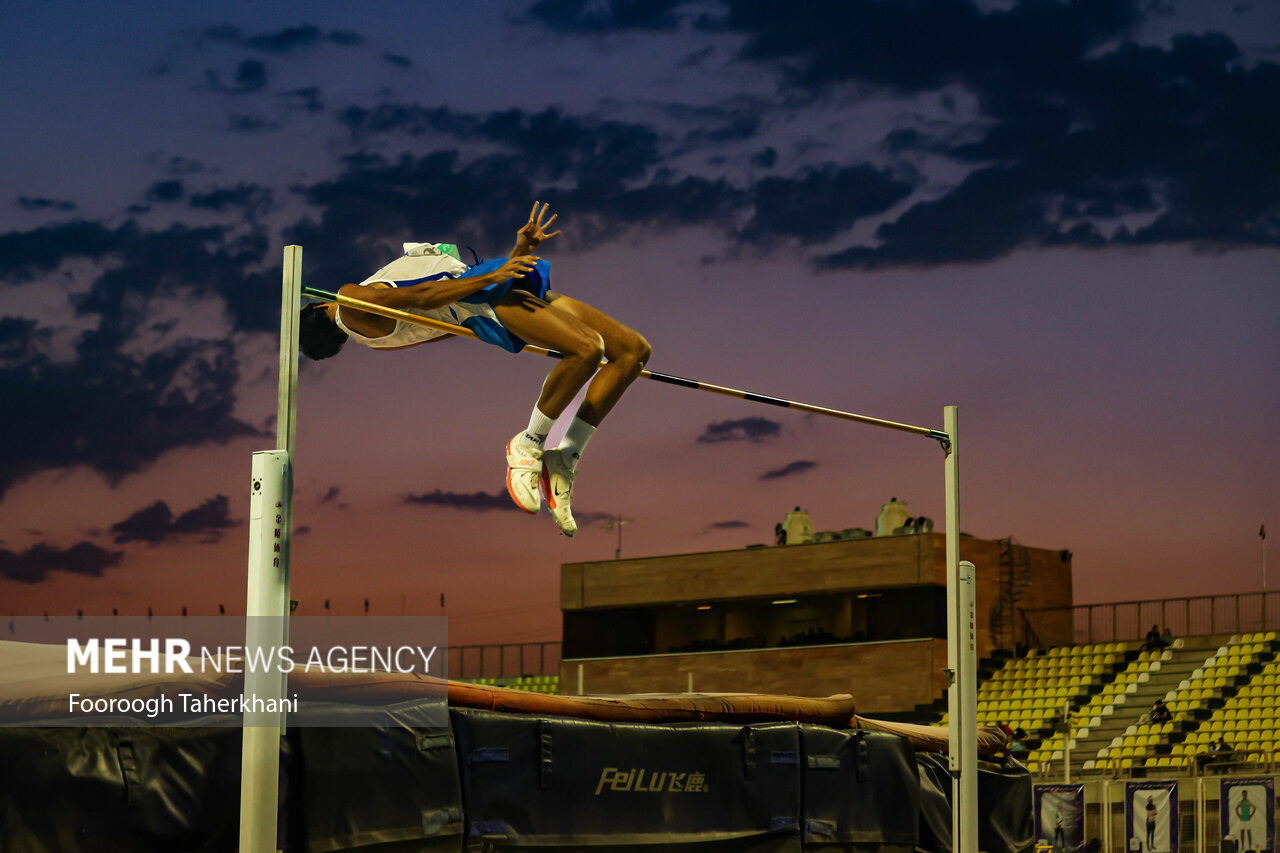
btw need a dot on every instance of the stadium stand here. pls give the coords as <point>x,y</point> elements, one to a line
<point>530,683</point>
<point>1218,690</point>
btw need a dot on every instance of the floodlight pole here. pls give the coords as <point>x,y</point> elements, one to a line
<point>962,696</point>
<point>267,596</point>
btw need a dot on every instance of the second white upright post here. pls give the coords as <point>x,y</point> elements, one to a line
<point>266,629</point>
<point>962,697</point>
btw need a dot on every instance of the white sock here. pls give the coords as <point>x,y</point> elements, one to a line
<point>539,426</point>
<point>575,441</point>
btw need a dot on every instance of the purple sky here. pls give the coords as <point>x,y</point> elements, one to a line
<point>1063,217</point>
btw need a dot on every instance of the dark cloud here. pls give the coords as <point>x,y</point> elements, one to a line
<point>1083,137</point>
<point>550,143</point>
<point>151,524</point>
<point>1080,128</point>
<point>309,99</point>
<point>373,202</point>
<point>165,192</point>
<point>735,130</point>
<point>212,515</point>
<point>181,166</point>
<point>790,469</point>
<point>250,77</point>
<point>903,139</point>
<point>727,525</point>
<point>210,261</point>
<point>344,38</point>
<point>45,204</point>
<point>752,429</point>
<point>593,16</point>
<point>765,159</point>
<point>111,412</point>
<point>820,203</point>
<point>949,230</point>
<point>251,123</point>
<point>26,254</point>
<point>107,407</point>
<point>284,41</point>
<point>401,62</point>
<point>250,198</point>
<point>34,564</point>
<point>156,523</point>
<point>921,46</point>
<point>697,58</point>
<point>474,502</point>
<point>1170,134</point>
<point>21,341</point>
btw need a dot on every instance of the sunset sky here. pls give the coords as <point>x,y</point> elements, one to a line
<point>1062,216</point>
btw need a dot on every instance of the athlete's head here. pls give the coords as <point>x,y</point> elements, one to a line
<point>318,336</point>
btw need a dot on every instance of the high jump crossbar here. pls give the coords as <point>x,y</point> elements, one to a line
<point>463,332</point>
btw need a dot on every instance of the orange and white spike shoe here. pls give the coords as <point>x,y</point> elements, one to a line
<point>524,466</point>
<point>557,490</point>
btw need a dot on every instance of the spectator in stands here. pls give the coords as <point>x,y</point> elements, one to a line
<point>1160,712</point>
<point>1153,639</point>
<point>1166,639</point>
<point>1218,753</point>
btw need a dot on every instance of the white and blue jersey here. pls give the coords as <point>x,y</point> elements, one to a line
<point>423,262</point>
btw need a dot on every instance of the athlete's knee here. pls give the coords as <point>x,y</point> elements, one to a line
<point>634,349</point>
<point>588,346</point>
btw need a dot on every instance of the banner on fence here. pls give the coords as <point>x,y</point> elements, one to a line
<point>1151,816</point>
<point>1060,817</point>
<point>1247,809</point>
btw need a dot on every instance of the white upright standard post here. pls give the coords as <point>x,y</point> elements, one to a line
<point>267,599</point>
<point>265,629</point>
<point>962,697</point>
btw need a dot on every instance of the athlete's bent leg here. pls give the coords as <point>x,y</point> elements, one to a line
<point>627,352</point>
<point>625,348</point>
<point>582,346</point>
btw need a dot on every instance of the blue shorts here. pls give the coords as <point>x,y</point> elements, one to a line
<point>537,282</point>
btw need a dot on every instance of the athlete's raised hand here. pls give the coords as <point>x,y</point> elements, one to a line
<point>534,232</point>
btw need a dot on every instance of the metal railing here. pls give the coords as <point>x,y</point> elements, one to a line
<point>505,660</point>
<point>1233,613</point>
<point>1211,764</point>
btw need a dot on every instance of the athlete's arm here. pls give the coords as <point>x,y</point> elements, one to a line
<point>416,344</point>
<point>437,294</point>
<point>429,294</point>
